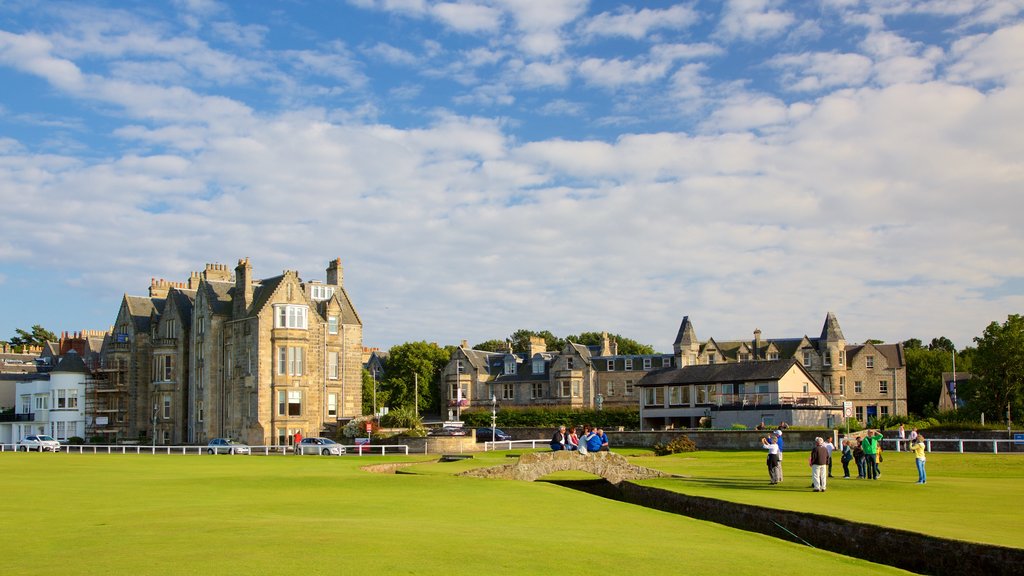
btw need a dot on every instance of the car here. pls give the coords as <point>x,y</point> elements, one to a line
<point>39,443</point>
<point>226,446</point>
<point>322,446</point>
<point>448,431</point>
<point>484,434</point>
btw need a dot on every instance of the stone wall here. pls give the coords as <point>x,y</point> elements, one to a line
<point>911,551</point>
<point>533,465</point>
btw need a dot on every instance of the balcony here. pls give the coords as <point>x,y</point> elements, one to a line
<point>11,417</point>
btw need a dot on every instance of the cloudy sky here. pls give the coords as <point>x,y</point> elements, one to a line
<point>482,166</point>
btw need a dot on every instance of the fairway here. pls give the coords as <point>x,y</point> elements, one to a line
<point>115,514</point>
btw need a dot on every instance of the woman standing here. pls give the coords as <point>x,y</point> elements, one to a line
<point>847,456</point>
<point>917,445</point>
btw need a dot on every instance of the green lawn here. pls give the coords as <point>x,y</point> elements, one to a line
<point>973,497</point>
<point>115,514</point>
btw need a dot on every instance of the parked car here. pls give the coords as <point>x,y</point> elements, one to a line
<point>39,443</point>
<point>226,446</point>
<point>322,446</point>
<point>448,431</point>
<point>484,434</point>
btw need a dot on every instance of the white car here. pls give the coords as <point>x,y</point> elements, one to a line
<point>226,446</point>
<point>322,446</point>
<point>39,443</point>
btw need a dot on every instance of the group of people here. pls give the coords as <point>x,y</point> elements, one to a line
<point>593,440</point>
<point>867,453</point>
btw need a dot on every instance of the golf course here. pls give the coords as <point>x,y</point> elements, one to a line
<point>146,514</point>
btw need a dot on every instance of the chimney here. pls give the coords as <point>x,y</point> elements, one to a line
<point>158,288</point>
<point>243,287</point>
<point>465,344</point>
<point>606,349</point>
<point>537,345</point>
<point>335,276</point>
<point>757,343</point>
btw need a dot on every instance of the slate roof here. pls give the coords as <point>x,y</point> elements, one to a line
<point>71,363</point>
<point>893,353</point>
<point>185,301</point>
<point>141,309</point>
<point>722,373</point>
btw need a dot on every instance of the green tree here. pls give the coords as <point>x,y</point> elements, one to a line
<point>404,364</point>
<point>941,343</point>
<point>492,346</point>
<point>924,378</point>
<point>383,396</point>
<point>36,337</point>
<point>998,369</point>
<point>912,344</point>
<point>521,340</point>
<point>625,345</point>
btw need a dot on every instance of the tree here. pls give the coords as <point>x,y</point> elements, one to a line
<point>407,362</point>
<point>874,341</point>
<point>998,370</point>
<point>521,340</point>
<point>912,344</point>
<point>37,337</point>
<point>625,345</point>
<point>924,378</point>
<point>941,343</point>
<point>492,346</point>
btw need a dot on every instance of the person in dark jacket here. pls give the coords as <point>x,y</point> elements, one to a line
<point>558,439</point>
<point>819,465</point>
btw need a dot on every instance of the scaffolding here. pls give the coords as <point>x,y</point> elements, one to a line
<point>106,403</point>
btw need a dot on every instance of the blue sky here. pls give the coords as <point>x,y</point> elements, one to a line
<point>482,166</point>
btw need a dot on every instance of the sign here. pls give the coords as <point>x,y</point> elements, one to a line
<point>362,440</point>
<point>1018,439</point>
<point>369,426</point>
<point>848,409</point>
<point>102,420</point>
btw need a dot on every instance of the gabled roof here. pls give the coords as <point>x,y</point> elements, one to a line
<point>262,292</point>
<point>184,301</point>
<point>584,351</point>
<point>141,308</point>
<point>71,363</point>
<point>893,353</point>
<point>730,372</point>
<point>218,296</point>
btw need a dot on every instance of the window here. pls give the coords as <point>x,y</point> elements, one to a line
<point>459,368</point>
<point>200,411</point>
<point>295,402</point>
<point>508,391</point>
<point>290,360</point>
<point>609,389</point>
<point>842,357</point>
<point>510,365</point>
<point>826,383</point>
<point>332,405</point>
<point>744,357</point>
<point>629,388</point>
<point>26,404</point>
<point>201,325</point>
<point>773,355</point>
<point>536,390</point>
<point>166,437</point>
<point>170,328</point>
<point>858,387</point>
<point>332,365</point>
<point>703,393</point>
<point>676,394</point>
<point>883,386</point>
<point>42,402</point>
<point>859,411</point>
<point>61,398</point>
<point>163,368</point>
<point>611,365</point>
<point>229,360</point>
<point>807,358</point>
<point>565,389</point>
<point>576,388</point>
<point>654,396</point>
<point>538,365</point>
<point>570,364</point>
<point>167,406</point>
<point>870,361</point>
<point>282,402</point>
<point>320,292</point>
<point>842,385</point>
<point>629,364</point>
<point>712,358</point>
<point>883,411</point>
<point>290,316</point>
<point>666,361</point>
<point>828,358</point>
<point>332,324</point>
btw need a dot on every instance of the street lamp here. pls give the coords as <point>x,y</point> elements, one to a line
<point>494,418</point>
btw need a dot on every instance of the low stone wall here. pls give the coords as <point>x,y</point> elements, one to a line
<point>911,551</point>
<point>533,465</point>
<point>439,444</point>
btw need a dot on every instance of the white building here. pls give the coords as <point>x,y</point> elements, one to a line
<point>52,403</point>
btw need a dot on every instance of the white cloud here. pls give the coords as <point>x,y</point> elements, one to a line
<point>989,57</point>
<point>753,20</point>
<point>637,24</point>
<point>467,16</point>
<point>391,54</point>
<point>811,72</point>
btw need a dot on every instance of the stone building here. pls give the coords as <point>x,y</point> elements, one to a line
<point>229,355</point>
<point>577,376</point>
<point>873,377</point>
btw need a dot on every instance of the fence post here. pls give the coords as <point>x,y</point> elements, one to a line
<point>961,444</point>
<point>995,446</point>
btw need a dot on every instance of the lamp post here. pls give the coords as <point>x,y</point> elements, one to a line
<point>494,418</point>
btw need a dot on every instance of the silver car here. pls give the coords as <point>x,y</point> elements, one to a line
<point>39,443</point>
<point>322,446</point>
<point>226,446</point>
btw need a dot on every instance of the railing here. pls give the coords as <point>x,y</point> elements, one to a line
<point>367,449</point>
<point>957,444</point>
<point>511,444</point>
<point>17,417</point>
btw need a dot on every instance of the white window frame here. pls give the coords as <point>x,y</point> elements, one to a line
<point>629,364</point>
<point>869,361</point>
<point>332,404</point>
<point>536,390</point>
<point>508,391</point>
<point>332,324</point>
<point>293,316</point>
<point>332,365</point>
<point>648,363</point>
<point>883,386</point>
<point>807,358</point>
<point>611,366</point>
<point>167,402</point>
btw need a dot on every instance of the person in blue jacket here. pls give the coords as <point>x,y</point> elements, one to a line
<point>594,441</point>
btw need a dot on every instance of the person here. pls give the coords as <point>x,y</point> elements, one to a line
<point>594,441</point>
<point>913,434</point>
<point>783,425</point>
<point>572,442</point>
<point>770,443</point>
<point>819,465</point>
<point>604,440</point>
<point>831,448</point>
<point>917,445</point>
<point>760,426</point>
<point>779,442</point>
<point>297,438</point>
<point>870,446</point>
<point>845,459</point>
<point>902,435</point>
<point>858,456</point>
<point>558,439</point>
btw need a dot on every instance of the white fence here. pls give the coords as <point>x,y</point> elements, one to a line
<point>957,444</point>
<point>350,449</point>
<point>511,444</point>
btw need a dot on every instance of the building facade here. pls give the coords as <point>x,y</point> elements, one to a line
<point>872,377</point>
<point>50,403</point>
<point>228,355</point>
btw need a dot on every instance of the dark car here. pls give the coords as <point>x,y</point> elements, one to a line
<point>484,434</point>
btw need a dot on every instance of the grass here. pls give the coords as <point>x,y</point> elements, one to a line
<point>115,514</point>
<point>970,497</point>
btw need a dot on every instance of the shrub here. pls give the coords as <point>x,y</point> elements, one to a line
<point>75,441</point>
<point>609,418</point>
<point>738,426</point>
<point>404,417</point>
<point>677,445</point>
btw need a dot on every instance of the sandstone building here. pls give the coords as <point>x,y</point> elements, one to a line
<point>229,355</point>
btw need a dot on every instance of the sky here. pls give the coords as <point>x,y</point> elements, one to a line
<point>484,166</point>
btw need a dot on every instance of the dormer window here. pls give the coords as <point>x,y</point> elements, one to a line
<point>319,292</point>
<point>510,365</point>
<point>291,316</point>
<point>538,365</point>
